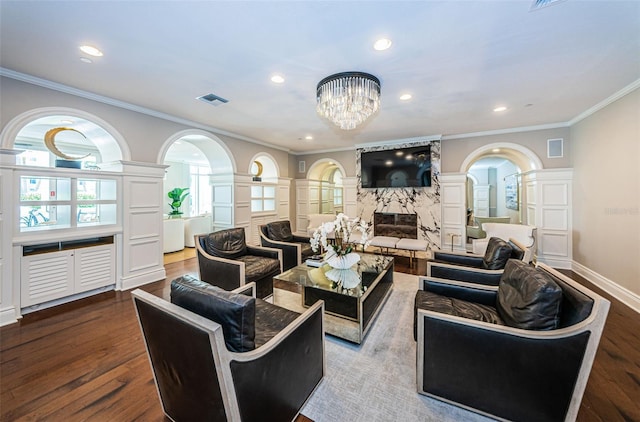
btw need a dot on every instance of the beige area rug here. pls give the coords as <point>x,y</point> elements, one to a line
<point>376,381</point>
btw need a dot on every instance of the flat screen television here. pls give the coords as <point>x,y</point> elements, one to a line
<point>396,168</point>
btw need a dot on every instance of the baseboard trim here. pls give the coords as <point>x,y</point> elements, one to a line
<point>127,283</point>
<point>8,316</point>
<point>624,295</point>
<point>564,264</point>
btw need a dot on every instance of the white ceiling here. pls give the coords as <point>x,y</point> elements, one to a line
<point>459,60</point>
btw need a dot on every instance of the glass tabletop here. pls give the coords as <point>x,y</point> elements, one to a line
<point>352,282</point>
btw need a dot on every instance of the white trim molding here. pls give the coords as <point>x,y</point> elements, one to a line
<point>623,294</point>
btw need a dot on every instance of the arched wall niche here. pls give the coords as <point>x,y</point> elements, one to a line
<point>106,139</point>
<point>270,168</point>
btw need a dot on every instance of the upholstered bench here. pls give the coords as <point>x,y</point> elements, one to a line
<point>390,242</point>
<point>412,245</point>
<point>384,242</point>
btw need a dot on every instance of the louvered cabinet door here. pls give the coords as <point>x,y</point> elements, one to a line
<point>94,267</point>
<point>46,277</point>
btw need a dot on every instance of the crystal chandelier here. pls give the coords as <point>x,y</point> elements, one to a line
<point>348,98</point>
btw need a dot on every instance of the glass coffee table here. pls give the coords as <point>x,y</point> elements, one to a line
<point>350,306</point>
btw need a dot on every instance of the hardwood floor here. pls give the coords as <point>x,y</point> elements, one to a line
<point>86,361</point>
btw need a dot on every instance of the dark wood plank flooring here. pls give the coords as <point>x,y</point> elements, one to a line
<point>86,361</point>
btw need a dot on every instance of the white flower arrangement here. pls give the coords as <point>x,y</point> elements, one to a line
<point>343,228</point>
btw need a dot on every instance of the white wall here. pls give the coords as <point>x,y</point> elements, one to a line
<point>606,194</point>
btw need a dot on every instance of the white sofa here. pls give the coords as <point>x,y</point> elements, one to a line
<point>315,220</point>
<point>526,235</point>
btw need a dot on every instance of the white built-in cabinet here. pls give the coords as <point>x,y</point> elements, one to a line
<point>55,270</point>
<point>78,233</point>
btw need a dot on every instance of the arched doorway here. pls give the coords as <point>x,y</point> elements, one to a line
<point>494,180</point>
<point>199,161</point>
<point>329,197</point>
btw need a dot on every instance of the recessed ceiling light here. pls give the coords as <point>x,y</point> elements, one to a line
<point>90,50</point>
<point>382,44</point>
<point>405,97</point>
<point>501,108</point>
<point>86,60</point>
<point>388,163</point>
<point>277,79</point>
<point>399,153</point>
<point>308,137</point>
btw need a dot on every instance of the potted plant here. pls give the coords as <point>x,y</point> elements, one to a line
<point>177,195</point>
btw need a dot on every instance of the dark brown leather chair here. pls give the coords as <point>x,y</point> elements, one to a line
<point>225,356</point>
<point>520,351</point>
<point>295,249</point>
<point>225,260</point>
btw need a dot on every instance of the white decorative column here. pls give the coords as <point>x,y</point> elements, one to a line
<point>548,207</point>
<point>307,201</point>
<point>222,207</point>
<point>242,202</point>
<point>9,295</point>
<point>454,211</point>
<point>140,257</point>
<point>283,198</point>
<point>350,196</point>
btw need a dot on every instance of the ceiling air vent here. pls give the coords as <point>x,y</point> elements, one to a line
<point>213,99</point>
<point>539,4</point>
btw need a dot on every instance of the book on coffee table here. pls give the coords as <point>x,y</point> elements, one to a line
<point>315,261</point>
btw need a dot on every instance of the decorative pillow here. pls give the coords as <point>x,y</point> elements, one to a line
<point>234,312</point>
<point>528,298</point>
<point>280,231</point>
<point>229,243</point>
<point>497,254</point>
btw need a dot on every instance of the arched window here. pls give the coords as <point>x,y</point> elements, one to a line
<point>265,177</point>
<point>61,140</point>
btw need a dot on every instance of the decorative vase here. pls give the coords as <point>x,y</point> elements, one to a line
<point>348,278</point>
<point>343,262</point>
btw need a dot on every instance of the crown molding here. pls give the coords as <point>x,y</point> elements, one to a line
<point>506,131</point>
<point>602,104</point>
<point>322,151</point>
<point>33,80</point>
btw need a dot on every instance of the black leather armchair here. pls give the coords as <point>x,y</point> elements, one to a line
<point>484,269</point>
<point>225,356</point>
<point>295,249</point>
<point>225,260</point>
<point>520,351</point>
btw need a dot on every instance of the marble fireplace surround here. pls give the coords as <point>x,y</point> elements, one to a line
<point>424,202</point>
